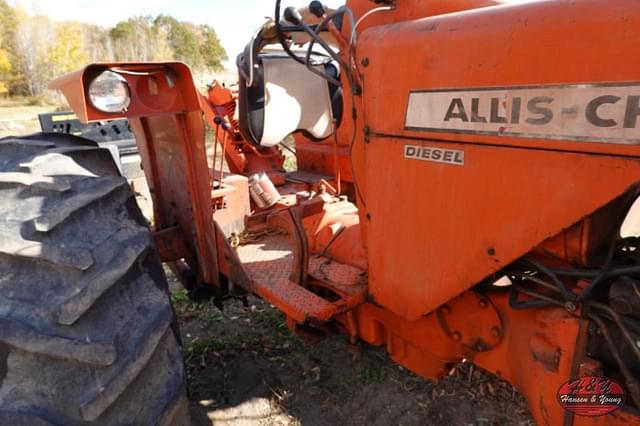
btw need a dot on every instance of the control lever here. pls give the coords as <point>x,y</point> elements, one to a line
<point>292,15</point>
<point>317,8</point>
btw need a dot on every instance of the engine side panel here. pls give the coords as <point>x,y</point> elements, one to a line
<point>474,197</point>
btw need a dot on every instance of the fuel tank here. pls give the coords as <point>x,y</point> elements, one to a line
<point>489,131</point>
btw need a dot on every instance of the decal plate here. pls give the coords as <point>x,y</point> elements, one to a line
<point>436,155</point>
<point>593,113</point>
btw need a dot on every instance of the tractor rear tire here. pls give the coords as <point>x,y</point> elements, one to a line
<point>87,331</point>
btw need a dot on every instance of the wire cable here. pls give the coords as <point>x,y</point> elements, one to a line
<point>354,116</point>
<point>352,38</point>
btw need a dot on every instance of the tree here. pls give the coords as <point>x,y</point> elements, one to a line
<point>139,39</point>
<point>9,76</point>
<point>5,67</point>
<point>68,52</point>
<point>213,54</point>
<point>197,46</point>
<point>36,49</point>
<point>5,62</point>
<point>182,40</point>
<point>35,38</point>
<point>97,43</point>
<point>129,40</point>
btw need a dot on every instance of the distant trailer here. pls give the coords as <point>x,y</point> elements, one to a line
<point>115,135</point>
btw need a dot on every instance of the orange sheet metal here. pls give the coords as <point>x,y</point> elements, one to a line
<point>536,351</point>
<point>158,88</point>
<point>453,223</point>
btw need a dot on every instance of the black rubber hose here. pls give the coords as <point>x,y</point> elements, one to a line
<point>548,272</point>
<point>514,303</point>
<point>632,384</point>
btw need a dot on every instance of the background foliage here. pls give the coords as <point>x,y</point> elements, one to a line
<point>36,49</point>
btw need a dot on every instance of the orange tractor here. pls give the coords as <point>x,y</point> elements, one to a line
<point>465,188</point>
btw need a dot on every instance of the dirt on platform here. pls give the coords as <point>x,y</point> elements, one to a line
<point>245,368</point>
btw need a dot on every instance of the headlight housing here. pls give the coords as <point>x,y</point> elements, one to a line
<point>109,92</point>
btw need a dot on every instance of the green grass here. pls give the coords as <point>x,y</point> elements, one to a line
<point>374,374</point>
<point>20,101</point>
<point>179,297</point>
<point>272,319</point>
<point>212,317</point>
<point>19,116</point>
<point>201,347</point>
<point>290,163</point>
<point>182,304</point>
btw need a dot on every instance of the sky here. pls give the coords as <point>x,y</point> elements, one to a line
<point>234,20</point>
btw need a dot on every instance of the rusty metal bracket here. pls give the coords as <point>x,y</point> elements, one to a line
<point>171,244</point>
<point>230,264</point>
<point>473,321</point>
<point>290,220</point>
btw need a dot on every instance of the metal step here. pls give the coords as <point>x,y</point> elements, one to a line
<point>333,287</point>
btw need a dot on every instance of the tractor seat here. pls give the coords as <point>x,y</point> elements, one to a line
<point>286,97</point>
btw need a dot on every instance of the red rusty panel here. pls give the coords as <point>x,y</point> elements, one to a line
<point>171,244</point>
<point>173,155</point>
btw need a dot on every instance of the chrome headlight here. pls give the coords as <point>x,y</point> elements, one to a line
<point>109,92</point>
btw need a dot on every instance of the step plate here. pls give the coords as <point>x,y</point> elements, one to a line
<point>269,263</point>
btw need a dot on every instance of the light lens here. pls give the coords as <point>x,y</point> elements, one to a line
<point>109,92</point>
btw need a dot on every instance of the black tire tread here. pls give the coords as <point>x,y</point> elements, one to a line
<point>64,210</point>
<point>85,322</point>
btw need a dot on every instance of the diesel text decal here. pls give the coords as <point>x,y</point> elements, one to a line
<point>437,155</point>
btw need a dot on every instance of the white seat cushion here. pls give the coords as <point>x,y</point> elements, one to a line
<point>295,99</point>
